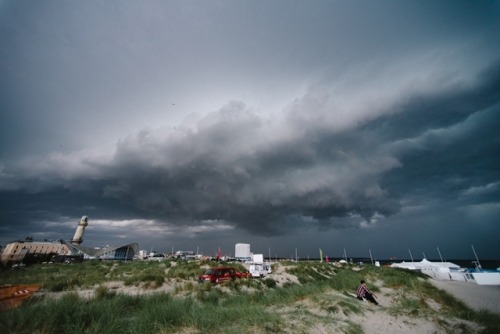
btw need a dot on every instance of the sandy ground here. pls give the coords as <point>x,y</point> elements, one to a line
<point>477,297</point>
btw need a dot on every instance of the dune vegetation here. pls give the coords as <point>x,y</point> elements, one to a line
<point>165,297</point>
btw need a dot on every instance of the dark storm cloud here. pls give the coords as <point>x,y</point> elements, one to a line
<point>451,142</point>
<point>234,120</point>
<point>222,170</point>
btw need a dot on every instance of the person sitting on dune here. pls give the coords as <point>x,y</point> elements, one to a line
<point>363,293</point>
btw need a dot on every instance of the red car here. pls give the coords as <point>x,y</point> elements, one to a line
<point>218,275</point>
<point>243,274</point>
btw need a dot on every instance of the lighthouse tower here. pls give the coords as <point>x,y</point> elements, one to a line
<point>78,237</point>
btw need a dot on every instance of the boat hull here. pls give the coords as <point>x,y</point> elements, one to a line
<point>14,295</point>
<point>484,278</point>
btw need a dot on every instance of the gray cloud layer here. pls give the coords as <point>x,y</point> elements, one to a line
<point>240,119</point>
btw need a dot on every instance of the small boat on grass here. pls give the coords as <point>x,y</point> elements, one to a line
<point>13,295</point>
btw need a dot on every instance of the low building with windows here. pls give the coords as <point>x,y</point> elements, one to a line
<point>17,251</point>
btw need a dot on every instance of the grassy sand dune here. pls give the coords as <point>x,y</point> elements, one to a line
<point>165,297</point>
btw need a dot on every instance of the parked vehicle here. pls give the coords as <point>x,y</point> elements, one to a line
<point>218,275</point>
<point>260,270</point>
<point>243,274</point>
<point>257,270</point>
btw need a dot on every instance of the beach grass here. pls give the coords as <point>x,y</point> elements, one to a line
<point>320,302</point>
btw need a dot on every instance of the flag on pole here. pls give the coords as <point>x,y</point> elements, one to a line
<point>320,255</point>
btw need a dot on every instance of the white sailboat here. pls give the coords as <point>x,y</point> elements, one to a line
<point>437,270</point>
<point>452,272</point>
<point>482,276</point>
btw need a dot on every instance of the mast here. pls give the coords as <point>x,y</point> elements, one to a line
<point>477,259</point>
<point>411,256</point>
<point>440,254</point>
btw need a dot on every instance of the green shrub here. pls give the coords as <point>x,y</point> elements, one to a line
<point>103,292</point>
<point>270,283</point>
<point>185,270</point>
<point>56,286</point>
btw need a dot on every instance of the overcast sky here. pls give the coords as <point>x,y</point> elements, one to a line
<point>185,125</point>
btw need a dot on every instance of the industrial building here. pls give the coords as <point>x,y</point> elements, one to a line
<point>15,252</point>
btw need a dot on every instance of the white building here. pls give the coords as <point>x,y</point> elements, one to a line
<point>242,252</point>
